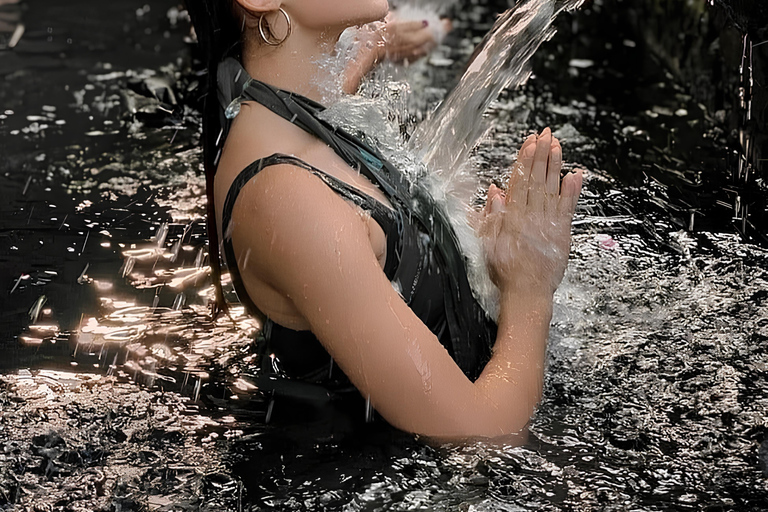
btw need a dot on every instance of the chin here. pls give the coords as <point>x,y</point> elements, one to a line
<point>374,10</point>
<point>383,10</point>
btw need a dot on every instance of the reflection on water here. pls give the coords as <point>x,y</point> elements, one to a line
<point>120,393</point>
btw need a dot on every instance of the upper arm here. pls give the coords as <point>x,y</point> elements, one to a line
<point>308,244</point>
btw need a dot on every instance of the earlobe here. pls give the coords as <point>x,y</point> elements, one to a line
<point>259,6</point>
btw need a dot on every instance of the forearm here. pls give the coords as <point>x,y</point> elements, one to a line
<point>361,65</point>
<point>512,381</point>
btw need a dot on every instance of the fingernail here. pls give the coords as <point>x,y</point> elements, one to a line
<point>529,151</point>
<point>425,23</point>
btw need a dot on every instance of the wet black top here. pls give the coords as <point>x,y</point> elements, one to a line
<point>423,259</point>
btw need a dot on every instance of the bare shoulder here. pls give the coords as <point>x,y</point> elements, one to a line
<point>291,216</point>
<point>312,248</point>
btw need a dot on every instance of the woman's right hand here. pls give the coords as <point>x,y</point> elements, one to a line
<point>527,230</point>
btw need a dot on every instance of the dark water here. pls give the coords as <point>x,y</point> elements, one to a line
<point>656,396</point>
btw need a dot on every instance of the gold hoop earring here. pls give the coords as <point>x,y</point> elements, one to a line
<point>270,39</point>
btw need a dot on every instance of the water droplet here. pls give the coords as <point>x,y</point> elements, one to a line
<point>368,410</point>
<point>233,109</point>
<point>179,302</point>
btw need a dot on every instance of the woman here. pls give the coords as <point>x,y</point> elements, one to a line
<point>323,239</point>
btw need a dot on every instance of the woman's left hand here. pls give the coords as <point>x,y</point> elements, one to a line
<point>393,39</point>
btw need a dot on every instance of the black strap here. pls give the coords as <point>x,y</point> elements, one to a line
<point>303,112</point>
<point>388,219</point>
<point>472,333</point>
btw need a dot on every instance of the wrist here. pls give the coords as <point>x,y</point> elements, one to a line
<point>525,310</point>
<point>532,297</point>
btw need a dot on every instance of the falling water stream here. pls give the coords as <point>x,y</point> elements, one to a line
<point>501,61</point>
<point>119,393</point>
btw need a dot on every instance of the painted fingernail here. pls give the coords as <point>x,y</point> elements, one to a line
<point>425,23</point>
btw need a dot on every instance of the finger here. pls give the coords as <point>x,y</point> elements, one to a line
<point>527,142</point>
<point>406,26</point>
<point>497,204</point>
<point>577,184</point>
<point>554,168</point>
<point>411,47</point>
<point>569,193</point>
<point>491,222</point>
<point>538,179</point>
<point>417,39</point>
<point>514,176</point>
<point>517,190</point>
<point>493,191</point>
<point>499,194</point>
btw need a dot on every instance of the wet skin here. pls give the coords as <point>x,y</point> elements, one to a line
<point>314,262</point>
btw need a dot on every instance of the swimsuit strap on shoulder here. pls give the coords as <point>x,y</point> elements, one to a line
<point>471,332</point>
<point>381,213</point>
<point>389,220</point>
<point>303,112</point>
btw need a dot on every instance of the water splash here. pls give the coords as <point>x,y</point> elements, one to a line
<point>444,141</point>
<point>233,109</point>
<point>437,156</point>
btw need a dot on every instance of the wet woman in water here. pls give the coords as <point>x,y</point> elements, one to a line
<point>351,269</point>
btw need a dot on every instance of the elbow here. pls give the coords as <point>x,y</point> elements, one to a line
<point>478,419</point>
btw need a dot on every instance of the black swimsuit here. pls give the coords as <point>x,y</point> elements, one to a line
<point>423,259</point>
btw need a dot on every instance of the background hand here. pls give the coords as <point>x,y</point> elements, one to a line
<point>409,40</point>
<point>393,39</point>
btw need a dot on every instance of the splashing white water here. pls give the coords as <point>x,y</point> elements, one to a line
<point>445,141</point>
<point>500,62</point>
<point>438,155</point>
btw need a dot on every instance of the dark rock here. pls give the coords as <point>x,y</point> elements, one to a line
<point>762,457</point>
<point>49,440</point>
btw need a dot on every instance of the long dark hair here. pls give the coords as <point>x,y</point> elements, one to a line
<point>218,35</point>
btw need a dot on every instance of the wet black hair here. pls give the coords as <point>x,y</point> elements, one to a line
<point>218,35</point>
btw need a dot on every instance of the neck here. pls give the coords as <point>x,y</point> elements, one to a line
<point>294,65</point>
